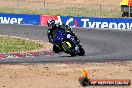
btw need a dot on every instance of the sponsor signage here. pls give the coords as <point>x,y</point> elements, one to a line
<point>19,19</point>
<point>91,22</point>
<point>86,81</point>
<point>45,18</point>
<point>86,22</point>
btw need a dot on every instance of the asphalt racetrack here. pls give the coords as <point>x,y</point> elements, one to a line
<point>100,45</point>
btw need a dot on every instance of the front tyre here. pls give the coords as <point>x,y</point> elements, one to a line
<point>82,51</point>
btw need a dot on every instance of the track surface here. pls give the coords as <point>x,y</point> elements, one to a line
<point>100,45</point>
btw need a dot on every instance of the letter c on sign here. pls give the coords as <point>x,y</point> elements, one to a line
<point>70,20</point>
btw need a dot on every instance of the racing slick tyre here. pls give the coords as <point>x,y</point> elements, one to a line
<point>72,54</point>
<point>56,49</point>
<point>67,46</point>
<point>82,51</point>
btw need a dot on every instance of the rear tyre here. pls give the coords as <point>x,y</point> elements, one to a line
<point>67,46</point>
<point>56,49</point>
<point>72,54</point>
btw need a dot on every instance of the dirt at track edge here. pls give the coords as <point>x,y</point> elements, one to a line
<point>61,75</point>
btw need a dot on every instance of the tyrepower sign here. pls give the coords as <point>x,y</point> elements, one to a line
<point>19,19</point>
<point>90,22</point>
<point>61,19</point>
<point>9,20</point>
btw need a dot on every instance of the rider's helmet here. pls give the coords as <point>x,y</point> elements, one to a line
<point>57,23</point>
<point>51,23</point>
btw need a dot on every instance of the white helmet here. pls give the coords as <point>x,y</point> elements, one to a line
<point>57,22</point>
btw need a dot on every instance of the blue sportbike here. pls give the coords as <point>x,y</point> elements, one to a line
<point>65,42</point>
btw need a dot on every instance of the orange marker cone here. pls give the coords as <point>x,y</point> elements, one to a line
<point>84,73</point>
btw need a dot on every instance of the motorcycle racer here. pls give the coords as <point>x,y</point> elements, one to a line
<point>71,45</point>
<point>54,25</point>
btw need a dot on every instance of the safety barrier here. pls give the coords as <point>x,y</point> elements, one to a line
<point>89,22</point>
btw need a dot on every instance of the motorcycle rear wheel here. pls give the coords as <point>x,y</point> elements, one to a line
<point>56,49</point>
<point>67,46</point>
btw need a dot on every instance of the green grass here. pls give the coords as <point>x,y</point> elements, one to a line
<point>10,44</point>
<point>63,12</point>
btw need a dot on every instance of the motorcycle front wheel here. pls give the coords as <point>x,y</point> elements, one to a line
<point>82,51</point>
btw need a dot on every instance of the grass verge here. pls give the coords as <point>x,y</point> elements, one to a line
<point>11,44</point>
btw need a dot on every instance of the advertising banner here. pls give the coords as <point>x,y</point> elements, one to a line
<point>45,18</point>
<point>19,19</point>
<point>91,22</point>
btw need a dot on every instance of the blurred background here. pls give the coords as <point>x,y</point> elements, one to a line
<point>96,8</point>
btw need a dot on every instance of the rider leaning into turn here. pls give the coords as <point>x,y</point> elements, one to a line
<point>53,25</point>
